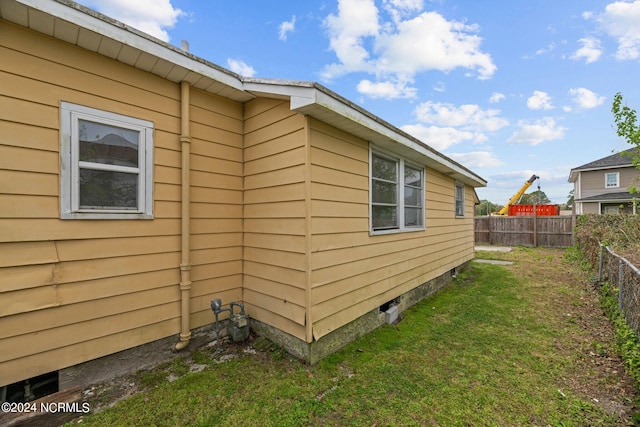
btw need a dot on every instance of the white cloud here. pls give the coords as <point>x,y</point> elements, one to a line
<point>396,50</point>
<point>439,138</point>
<point>153,17</point>
<point>477,159</point>
<point>586,99</point>
<point>452,125</point>
<point>400,8</point>
<point>287,27</point>
<point>241,67</point>
<point>430,42</point>
<point>467,117</point>
<point>545,129</point>
<point>386,90</point>
<point>496,97</point>
<point>590,50</point>
<point>550,47</point>
<point>356,20</point>
<point>539,101</point>
<point>620,20</point>
<point>440,87</point>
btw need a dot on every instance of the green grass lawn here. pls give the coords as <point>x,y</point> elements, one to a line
<point>486,351</point>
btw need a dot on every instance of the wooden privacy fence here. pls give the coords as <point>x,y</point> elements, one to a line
<point>553,231</point>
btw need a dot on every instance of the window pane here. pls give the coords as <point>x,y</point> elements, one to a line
<point>412,217</point>
<point>612,180</point>
<point>108,190</point>
<point>384,192</point>
<point>384,217</point>
<point>412,177</point>
<point>384,169</point>
<point>412,196</point>
<point>110,145</point>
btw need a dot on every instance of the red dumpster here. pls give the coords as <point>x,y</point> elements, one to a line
<point>527,210</point>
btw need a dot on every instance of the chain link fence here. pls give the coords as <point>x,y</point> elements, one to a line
<point>624,279</point>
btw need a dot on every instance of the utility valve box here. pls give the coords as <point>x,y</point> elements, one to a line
<point>238,323</point>
<point>238,327</point>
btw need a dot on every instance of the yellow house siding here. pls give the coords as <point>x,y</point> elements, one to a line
<point>279,216</point>
<point>354,272</point>
<point>75,290</point>
<point>274,215</point>
<point>216,203</point>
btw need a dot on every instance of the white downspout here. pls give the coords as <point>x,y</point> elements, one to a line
<point>185,263</point>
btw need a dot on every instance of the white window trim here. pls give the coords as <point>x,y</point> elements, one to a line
<point>400,193</point>
<point>69,163</point>
<point>617,174</point>
<point>455,199</point>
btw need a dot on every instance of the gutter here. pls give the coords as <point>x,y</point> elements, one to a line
<point>315,100</point>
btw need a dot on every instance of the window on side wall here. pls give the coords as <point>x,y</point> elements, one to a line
<point>612,180</point>
<point>106,165</point>
<point>459,199</point>
<point>397,194</point>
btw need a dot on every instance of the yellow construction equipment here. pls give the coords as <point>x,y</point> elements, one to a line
<point>518,195</point>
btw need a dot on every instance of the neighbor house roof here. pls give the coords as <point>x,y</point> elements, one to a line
<point>70,22</point>
<point>617,160</point>
<point>622,196</point>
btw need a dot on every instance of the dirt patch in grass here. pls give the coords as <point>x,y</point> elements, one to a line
<point>109,393</point>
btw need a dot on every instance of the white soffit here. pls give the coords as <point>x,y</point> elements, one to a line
<point>76,24</point>
<point>323,104</point>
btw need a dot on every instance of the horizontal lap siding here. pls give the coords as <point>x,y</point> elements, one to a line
<point>592,183</point>
<point>75,290</point>
<point>274,215</point>
<point>216,203</point>
<point>353,272</point>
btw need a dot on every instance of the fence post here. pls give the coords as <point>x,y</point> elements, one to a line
<point>535,226</point>
<point>620,283</point>
<point>600,264</point>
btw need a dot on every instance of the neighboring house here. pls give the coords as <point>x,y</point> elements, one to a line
<point>602,186</point>
<point>138,182</point>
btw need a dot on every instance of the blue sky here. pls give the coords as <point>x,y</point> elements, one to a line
<point>507,88</point>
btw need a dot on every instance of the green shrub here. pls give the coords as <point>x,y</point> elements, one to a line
<point>620,232</point>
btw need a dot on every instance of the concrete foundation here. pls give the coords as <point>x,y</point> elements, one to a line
<point>334,341</point>
<point>154,353</point>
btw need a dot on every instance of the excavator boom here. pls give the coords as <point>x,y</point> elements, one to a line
<point>517,196</point>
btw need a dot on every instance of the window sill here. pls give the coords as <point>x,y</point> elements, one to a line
<point>83,215</point>
<point>395,231</point>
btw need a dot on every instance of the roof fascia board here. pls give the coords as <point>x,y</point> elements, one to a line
<point>115,30</point>
<point>326,100</point>
<point>303,95</point>
<point>630,165</point>
<point>298,92</point>
<point>630,199</point>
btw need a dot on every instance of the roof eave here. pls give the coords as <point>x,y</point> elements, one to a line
<point>73,23</point>
<point>70,22</point>
<point>325,105</point>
